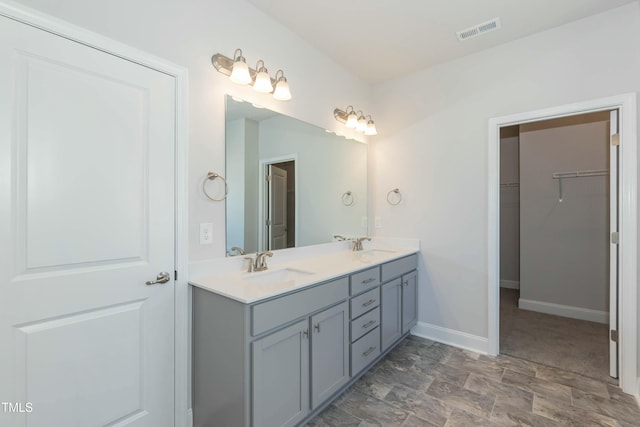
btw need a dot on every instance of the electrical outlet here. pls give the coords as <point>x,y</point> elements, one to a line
<point>206,233</point>
<point>378,222</point>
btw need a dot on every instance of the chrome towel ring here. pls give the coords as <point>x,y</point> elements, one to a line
<point>211,176</point>
<point>394,200</point>
<point>348,198</point>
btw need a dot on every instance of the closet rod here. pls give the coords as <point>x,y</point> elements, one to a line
<point>577,174</point>
<point>580,174</point>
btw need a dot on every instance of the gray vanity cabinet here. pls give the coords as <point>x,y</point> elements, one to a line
<point>409,301</point>
<point>391,320</point>
<point>282,369</point>
<point>280,377</point>
<point>399,299</point>
<point>329,353</point>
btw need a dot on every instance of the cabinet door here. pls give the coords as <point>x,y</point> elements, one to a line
<point>409,301</point>
<point>329,352</point>
<point>391,319</point>
<point>280,377</point>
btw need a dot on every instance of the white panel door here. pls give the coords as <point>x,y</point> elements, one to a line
<point>277,208</point>
<point>86,218</point>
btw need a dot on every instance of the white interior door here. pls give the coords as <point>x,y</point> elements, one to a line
<point>86,218</point>
<point>613,245</point>
<point>277,208</point>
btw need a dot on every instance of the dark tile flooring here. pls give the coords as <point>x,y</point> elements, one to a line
<point>570,344</point>
<point>424,383</point>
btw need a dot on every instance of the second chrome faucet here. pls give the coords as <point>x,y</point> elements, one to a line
<point>260,263</point>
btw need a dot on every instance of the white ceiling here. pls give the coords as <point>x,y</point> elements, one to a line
<point>378,40</point>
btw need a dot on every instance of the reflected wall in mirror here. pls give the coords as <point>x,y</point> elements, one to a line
<point>291,184</point>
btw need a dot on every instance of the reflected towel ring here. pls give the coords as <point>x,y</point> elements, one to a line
<point>210,177</point>
<point>398,197</point>
<point>348,198</point>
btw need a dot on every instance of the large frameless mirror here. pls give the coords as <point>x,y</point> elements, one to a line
<point>291,184</point>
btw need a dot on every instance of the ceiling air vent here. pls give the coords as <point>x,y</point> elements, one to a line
<point>479,29</point>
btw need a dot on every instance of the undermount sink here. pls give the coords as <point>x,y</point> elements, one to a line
<point>376,252</point>
<point>280,276</point>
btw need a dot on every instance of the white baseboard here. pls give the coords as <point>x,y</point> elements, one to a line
<point>565,310</point>
<point>452,337</point>
<point>510,284</point>
<point>190,417</point>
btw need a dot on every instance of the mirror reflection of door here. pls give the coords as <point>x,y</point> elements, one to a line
<point>280,205</point>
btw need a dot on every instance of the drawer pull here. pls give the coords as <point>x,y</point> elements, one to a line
<point>305,333</point>
<point>369,324</point>
<point>317,327</point>
<point>368,303</point>
<point>369,351</point>
<point>369,280</point>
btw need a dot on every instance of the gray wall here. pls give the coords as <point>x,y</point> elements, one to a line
<point>564,245</point>
<point>509,208</point>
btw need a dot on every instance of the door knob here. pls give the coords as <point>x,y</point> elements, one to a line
<point>160,278</point>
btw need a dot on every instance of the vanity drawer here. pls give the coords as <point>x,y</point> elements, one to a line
<point>365,302</point>
<point>364,280</point>
<point>268,315</point>
<point>364,351</point>
<point>397,268</point>
<point>365,323</point>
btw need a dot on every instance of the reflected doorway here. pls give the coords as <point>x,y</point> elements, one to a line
<point>279,208</point>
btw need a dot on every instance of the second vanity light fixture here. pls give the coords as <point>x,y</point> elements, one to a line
<point>355,120</point>
<point>240,73</point>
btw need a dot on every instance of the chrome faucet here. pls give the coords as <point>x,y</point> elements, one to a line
<point>357,243</point>
<point>239,251</point>
<point>339,238</point>
<point>261,263</point>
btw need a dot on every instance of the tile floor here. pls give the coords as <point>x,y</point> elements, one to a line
<point>571,344</point>
<point>424,383</point>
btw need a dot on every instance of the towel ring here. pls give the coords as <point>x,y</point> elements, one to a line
<point>348,198</point>
<point>398,197</point>
<point>210,177</point>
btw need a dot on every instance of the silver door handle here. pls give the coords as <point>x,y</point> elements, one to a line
<point>160,278</point>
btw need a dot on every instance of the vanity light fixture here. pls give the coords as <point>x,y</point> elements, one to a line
<point>240,69</point>
<point>263,80</point>
<point>281,92</point>
<point>356,120</point>
<point>239,72</point>
<point>371,127</point>
<point>361,125</point>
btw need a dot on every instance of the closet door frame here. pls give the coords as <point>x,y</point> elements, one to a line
<point>628,210</point>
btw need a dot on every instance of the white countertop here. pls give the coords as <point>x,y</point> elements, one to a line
<point>289,272</point>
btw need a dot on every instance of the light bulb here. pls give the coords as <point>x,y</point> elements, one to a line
<point>352,120</point>
<point>281,92</point>
<point>240,72</point>
<point>263,80</point>
<point>361,124</point>
<point>371,128</point>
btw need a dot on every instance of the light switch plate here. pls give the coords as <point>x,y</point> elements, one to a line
<point>206,233</point>
<point>378,222</point>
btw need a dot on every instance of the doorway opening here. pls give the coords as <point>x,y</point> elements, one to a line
<point>627,239</point>
<point>279,207</point>
<point>556,215</point>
